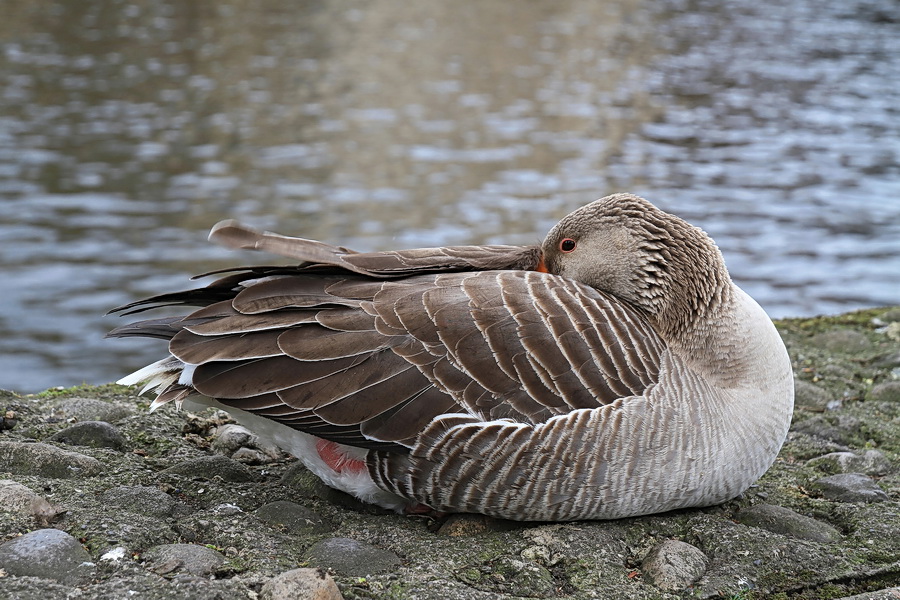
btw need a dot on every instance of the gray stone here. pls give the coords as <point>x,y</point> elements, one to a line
<point>48,554</point>
<point>778,519</point>
<point>208,467</point>
<point>293,517</point>
<point>44,460</point>
<point>252,456</point>
<point>228,438</point>
<point>850,487</point>
<point>140,499</point>
<point>885,594</point>
<point>352,558</point>
<point>847,341</point>
<point>308,584</point>
<point>185,558</point>
<point>90,409</point>
<point>15,497</point>
<point>889,391</point>
<point>810,396</point>
<point>872,462</point>
<point>673,565</point>
<point>96,434</point>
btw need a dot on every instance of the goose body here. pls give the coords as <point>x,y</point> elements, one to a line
<point>613,371</point>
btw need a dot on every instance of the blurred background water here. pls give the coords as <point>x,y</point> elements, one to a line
<point>129,127</point>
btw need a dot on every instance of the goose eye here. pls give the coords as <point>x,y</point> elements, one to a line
<point>567,245</point>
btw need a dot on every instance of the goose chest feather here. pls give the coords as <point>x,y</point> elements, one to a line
<point>614,371</point>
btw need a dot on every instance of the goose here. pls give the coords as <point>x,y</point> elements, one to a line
<point>613,371</point>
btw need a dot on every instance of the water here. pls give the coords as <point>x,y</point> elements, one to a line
<point>128,128</point>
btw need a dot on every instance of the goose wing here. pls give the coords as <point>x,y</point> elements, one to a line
<point>370,352</point>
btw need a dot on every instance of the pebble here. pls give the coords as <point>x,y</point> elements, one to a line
<point>888,391</point>
<point>146,500</point>
<point>90,409</point>
<point>674,566</point>
<point>17,498</point>
<point>846,341</point>
<point>252,456</point>
<point>785,521</point>
<point>872,462</point>
<point>208,467</point>
<point>293,517</point>
<point>184,558</point>
<point>44,460</point>
<point>308,584</point>
<point>352,558</point>
<point>465,524</point>
<point>48,554</point>
<point>95,434</point>
<point>885,594</point>
<point>810,396</point>
<point>850,487</point>
<point>228,438</point>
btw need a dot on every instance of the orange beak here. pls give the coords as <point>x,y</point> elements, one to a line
<point>541,267</point>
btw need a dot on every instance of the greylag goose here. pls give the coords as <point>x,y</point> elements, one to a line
<point>613,371</point>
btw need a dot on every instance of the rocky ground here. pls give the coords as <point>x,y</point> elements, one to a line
<point>99,499</point>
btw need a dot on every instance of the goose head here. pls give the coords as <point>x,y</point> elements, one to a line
<point>655,261</point>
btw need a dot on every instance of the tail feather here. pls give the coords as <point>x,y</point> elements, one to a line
<point>159,375</point>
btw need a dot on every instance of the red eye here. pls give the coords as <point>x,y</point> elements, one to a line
<point>567,245</point>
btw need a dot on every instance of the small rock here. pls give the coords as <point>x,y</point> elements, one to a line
<point>44,460</point>
<point>208,467</point>
<point>352,558</point>
<point>188,558</point>
<point>888,391</point>
<point>309,584</point>
<point>8,420</point>
<point>292,517</point>
<point>465,524</point>
<point>16,498</point>
<point>673,566</point>
<point>885,594</point>
<point>95,434</point>
<point>850,487</point>
<point>252,456</point>
<point>778,519</point>
<point>90,409</point>
<point>810,397</point>
<point>891,315</point>
<point>228,438</point>
<point>847,341</point>
<point>140,499</point>
<point>872,462</point>
<point>48,554</point>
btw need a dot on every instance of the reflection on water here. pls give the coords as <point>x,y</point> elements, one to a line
<point>127,129</point>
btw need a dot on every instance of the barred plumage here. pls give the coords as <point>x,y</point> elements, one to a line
<point>618,374</point>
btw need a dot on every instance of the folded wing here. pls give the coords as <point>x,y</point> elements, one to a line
<point>369,349</point>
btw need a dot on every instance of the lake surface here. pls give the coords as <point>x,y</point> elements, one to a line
<point>127,129</point>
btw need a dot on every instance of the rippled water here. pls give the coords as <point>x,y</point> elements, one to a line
<point>128,128</point>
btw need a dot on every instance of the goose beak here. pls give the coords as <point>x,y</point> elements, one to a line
<point>541,267</point>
